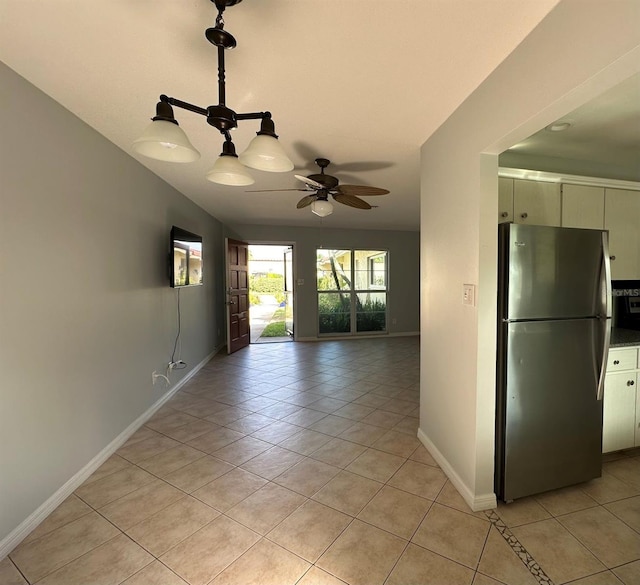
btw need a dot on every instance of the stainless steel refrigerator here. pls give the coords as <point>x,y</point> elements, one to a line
<point>554,324</point>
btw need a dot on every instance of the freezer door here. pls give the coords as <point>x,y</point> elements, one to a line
<point>551,273</point>
<point>550,420</point>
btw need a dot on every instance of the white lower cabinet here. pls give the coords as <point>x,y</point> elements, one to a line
<point>621,420</point>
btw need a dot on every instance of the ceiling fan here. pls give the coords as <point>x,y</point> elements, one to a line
<point>321,186</point>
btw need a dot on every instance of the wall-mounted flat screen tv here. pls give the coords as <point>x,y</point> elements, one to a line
<point>185,258</point>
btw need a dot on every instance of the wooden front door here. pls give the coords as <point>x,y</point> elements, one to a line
<point>238,334</point>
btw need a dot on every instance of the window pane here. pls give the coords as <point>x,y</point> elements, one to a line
<point>195,263</point>
<point>334,312</point>
<point>371,312</point>
<point>334,269</point>
<point>179,266</point>
<point>371,269</point>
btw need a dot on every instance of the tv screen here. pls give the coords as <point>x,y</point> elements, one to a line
<point>186,258</point>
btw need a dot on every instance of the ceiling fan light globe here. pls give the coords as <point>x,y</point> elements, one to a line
<point>265,153</point>
<point>167,142</point>
<point>322,208</point>
<point>227,170</point>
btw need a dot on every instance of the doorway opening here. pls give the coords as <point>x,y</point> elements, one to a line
<point>271,293</point>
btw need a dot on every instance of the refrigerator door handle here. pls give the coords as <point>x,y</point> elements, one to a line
<point>605,319</point>
<point>605,274</point>
<point>606,340</point>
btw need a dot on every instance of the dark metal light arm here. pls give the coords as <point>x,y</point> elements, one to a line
<point>222,117</point>
<point>183,105</point>
<point>254,116</point>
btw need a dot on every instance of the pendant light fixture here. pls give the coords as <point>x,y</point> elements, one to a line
<point>165,140</point>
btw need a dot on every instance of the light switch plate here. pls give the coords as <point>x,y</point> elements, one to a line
<point>469,294</point>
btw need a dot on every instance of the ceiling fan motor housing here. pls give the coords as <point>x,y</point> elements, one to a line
<point>327,181</point>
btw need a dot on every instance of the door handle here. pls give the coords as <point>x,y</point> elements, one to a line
<point>630,383</point>
<point>606,324</point>
<point>605,279</point>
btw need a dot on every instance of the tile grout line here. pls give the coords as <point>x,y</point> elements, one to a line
<point>205,453</point>
<point>522,553</point>
<point>18,569</point>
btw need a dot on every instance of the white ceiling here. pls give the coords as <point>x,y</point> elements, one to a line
<point>603,139</point>
<point>355,81</point>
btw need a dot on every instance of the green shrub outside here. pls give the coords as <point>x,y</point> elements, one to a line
<point>270,284</point>
<point>254,299</point>
<point>334,312</point>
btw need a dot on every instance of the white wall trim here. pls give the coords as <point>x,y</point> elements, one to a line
<point>569,179</point>
<point>476,502</point>
<point>16,536</point>
<point>347,337</point>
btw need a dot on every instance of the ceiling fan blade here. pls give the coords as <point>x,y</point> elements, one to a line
<point>309,181</point>
<point>351,201</point>
<point>361,190</point>
<point>305,201</point>
<point>273,190</point>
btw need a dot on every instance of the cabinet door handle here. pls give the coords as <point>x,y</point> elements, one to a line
<point>504,214</point>
<point>524,215</point>
<point>630,383</point>
<point>616,362</point>
<point>612,258</point>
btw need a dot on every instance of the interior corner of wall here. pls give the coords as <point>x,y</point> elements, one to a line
<point>476,501</point>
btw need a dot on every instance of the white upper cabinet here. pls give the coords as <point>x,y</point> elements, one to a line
<point>622,219</point>
<point>579,206</point>
<point>505,200</point>
<point>536,203</point>
<point>582,206</point>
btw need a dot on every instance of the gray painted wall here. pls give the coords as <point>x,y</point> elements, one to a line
<point>86,313</point>
<point>404,268</point>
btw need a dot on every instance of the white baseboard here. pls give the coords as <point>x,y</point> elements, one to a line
<point>347,337</point>
<point>16,536</point>
<point>476,502</point>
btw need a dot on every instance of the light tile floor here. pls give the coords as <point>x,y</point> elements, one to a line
<point>299,463</point>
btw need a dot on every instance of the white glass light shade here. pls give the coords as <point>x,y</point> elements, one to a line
<point>165,141</point>
<point>322,208</point>
<point>227,170</point>
<point>265,153</point>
